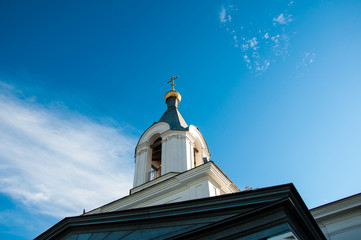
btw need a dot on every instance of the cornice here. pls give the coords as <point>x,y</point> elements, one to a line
<point>336,208</point>
<point>167,183</point>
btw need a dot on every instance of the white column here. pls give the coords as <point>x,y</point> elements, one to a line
<point>165,165</point>
<point>174,152</point>
<point>140,173</point>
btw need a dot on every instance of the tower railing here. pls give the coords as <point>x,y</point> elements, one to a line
<point>154,173</point>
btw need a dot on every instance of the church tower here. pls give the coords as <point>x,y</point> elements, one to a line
<point>169,145</point>
<point>172,164</point>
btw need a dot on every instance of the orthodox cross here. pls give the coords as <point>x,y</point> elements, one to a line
<point>247,188</point>
<point>172,80</point>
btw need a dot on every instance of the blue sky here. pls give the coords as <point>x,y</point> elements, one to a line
<point>274,86</point>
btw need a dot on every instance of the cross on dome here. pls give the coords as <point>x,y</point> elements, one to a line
<point>172,80</point>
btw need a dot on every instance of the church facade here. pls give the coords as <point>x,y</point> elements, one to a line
<point>178,193</point>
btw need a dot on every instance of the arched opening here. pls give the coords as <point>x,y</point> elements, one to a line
<point>197,155</point>
<point>156,160</point>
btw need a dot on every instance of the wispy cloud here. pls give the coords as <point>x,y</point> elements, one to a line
<point>58,162</point>
<point>282,19</point>
<point>224,15</point>
<point>307,59</point>
<point>259,47</point>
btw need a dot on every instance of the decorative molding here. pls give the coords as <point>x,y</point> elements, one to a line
<point>153,192</point>
<point>143,145</point>
<point>141,151</point>
<point>190,137</point>
<point>159,128</point>
<point>152,182</point>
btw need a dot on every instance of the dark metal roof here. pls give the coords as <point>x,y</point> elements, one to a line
<point>173,117</point>
<point>253,214</point>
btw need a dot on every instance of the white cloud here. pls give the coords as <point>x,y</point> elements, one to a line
<point>235,39</point>
<point>282,19</point>
<point>223,14</point>
<point>281,44</point>
<point>252,42</point>
<point>59,162</point>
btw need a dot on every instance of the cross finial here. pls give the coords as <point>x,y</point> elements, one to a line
<point>172,80</point>
<point>247,188</point>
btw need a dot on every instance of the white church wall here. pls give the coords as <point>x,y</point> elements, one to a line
<point>193,190</point>
<point>198,138</point>
<point>204,181</point>
<point>340,219</point>
<point>214,189</point>
<point>342,226</point>
<point>174,152</point>
<point>200,183</point>
<point>201,187</point>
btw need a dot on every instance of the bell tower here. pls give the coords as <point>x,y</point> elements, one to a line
<point>169,145</point>
<point>172,164</point>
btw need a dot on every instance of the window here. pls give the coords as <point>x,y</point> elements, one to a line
<point>195,156</point>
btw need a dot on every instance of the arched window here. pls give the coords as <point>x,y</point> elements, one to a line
<point>197,155</point>
<point>156,161</point>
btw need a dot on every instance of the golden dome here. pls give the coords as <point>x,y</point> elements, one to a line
<point>172,93</point>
